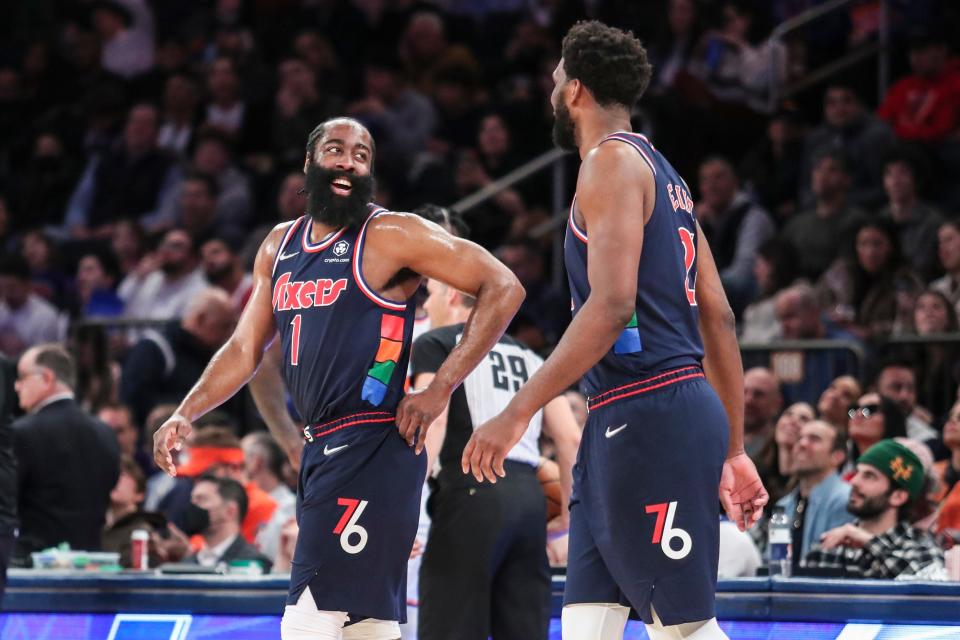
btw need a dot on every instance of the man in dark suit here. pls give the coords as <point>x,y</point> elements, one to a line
<point>8,469</point>
<point>67,461</point>
<point>217,507</point>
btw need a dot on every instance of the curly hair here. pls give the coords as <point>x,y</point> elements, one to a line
<point>609,62</point>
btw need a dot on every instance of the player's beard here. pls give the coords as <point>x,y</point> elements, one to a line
<point>325,206</point>
<point>564,129</point>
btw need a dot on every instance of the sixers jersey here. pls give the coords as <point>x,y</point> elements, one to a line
<point>663,333</point>
<point>345,349</point>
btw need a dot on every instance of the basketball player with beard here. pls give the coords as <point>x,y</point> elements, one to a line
<point>652,338</point>
<point>336,284</point>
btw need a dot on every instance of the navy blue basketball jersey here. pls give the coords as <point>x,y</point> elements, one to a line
<point>345,348</point>
<point>663,333</point>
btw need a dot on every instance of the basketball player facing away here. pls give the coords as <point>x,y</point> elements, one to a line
<point>651,328</point>
<point>335,284</point>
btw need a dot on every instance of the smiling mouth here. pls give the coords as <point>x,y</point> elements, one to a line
<point>341,186</point>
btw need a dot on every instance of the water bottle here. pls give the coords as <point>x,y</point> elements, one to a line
<point>779,543</point>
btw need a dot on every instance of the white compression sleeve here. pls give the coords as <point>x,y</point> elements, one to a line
<point>371,629</point>
<point>700,630</point>
<point>594,621</point>
<point>303,621</point>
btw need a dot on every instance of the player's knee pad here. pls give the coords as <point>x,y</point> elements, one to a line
<point>371,629</point>
<point>699,630</point>
<point>303,621</point>
<point>594,621</point>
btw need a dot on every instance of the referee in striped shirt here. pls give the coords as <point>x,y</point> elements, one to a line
<point>485,571</point>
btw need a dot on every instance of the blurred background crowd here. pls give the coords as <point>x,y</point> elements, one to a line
<point>147,146</point>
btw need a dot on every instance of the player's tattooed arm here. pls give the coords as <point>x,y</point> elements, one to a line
<point>233,364</point>
<point>611,183</point>
<point>396,241</point>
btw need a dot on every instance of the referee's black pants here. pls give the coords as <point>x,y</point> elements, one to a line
<point>6,550</point>
<point>485,571</point>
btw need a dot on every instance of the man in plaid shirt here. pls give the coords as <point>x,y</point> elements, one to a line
<point>881,543</point>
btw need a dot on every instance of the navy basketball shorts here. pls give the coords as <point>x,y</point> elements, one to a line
<point>644,515</point>
<point>358,505</point>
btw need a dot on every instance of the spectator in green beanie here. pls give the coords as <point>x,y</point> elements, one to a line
<point>880,543</point>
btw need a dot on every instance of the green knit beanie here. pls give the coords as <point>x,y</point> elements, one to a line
<point>898,463</point>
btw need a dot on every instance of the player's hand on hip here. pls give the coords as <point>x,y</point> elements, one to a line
<point>416,413</point>
<point>741,491</point>
<point>171,435</point>
<point>488,447</point>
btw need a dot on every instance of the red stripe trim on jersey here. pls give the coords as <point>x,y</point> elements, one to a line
<point>314,248</point>
<point>368,417</point>
<point>358,269</point>
<point>633,143</point>
<point>591,406</point>
<point>286,238</point>
<point>581,235</point>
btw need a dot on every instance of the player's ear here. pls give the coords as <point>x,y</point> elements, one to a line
<point>575,90</point>
<point>306,162</point>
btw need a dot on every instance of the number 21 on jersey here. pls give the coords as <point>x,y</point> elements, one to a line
<point>688,241</point>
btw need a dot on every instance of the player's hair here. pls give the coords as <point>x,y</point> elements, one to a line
<point>230,491</point>
<point>609,62</point>
<point>321,129</point>
<point>58,360</point>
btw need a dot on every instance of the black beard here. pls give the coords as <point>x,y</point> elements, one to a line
<point>326,207</point>
<point>870,507</point>
<point>564,129</point>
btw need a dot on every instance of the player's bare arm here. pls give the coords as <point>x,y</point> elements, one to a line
<point>741,492</point>
<point>403,241</point>
<point>270,395</point>
<point>561,426</point>
<point>611,188</point>
<point>235,362</point>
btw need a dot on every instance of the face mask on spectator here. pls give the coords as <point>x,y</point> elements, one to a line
<point>196,520</point>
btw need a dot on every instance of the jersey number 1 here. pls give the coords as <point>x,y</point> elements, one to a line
<point>295,341</point>
<point>689,255</point>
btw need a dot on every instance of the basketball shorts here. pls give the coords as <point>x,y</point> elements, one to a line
<point>357,506</point>
<point>644,515</point>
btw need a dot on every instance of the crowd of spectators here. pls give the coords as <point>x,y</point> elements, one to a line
<point>147,147</point>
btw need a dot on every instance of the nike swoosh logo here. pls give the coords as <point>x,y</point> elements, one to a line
<point>327,451</point>
<point>284,256</point>
<point>612,432</point>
